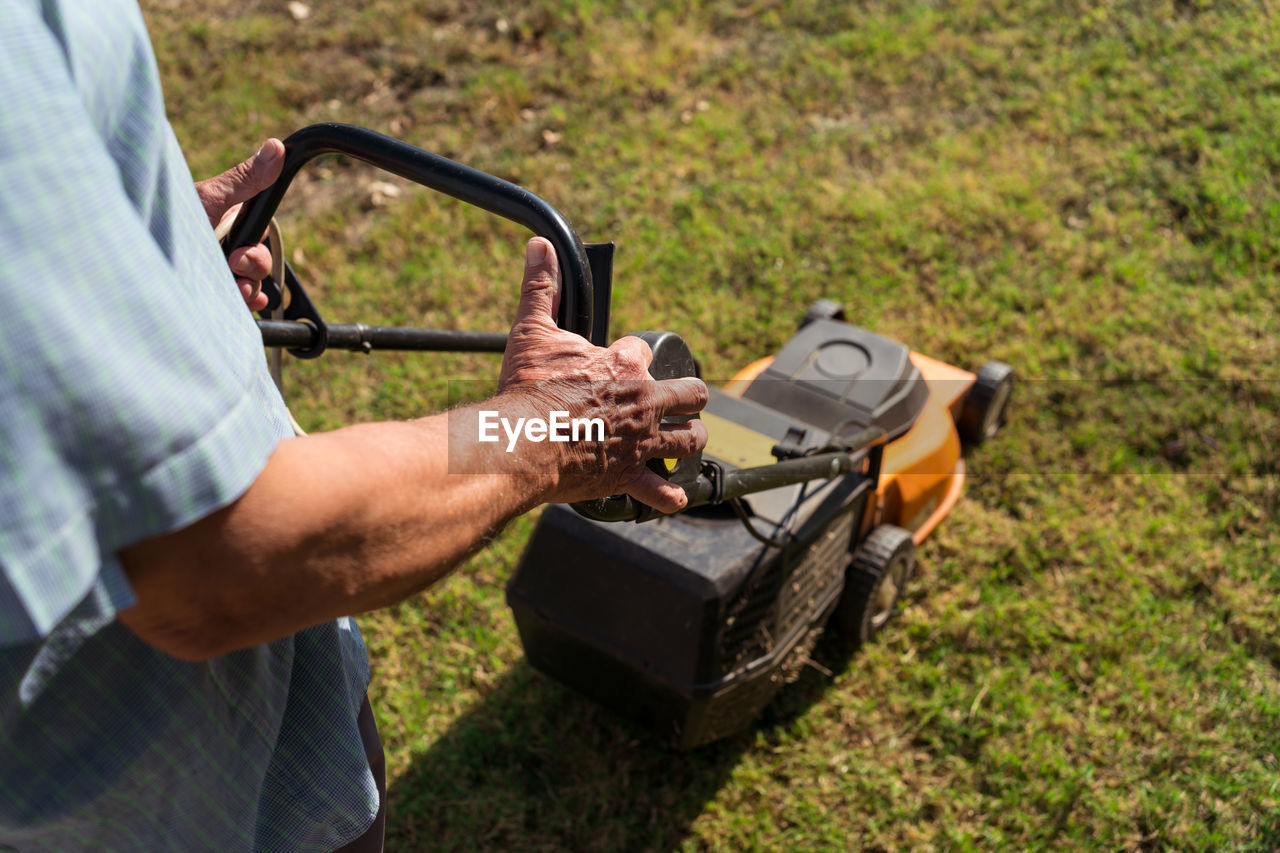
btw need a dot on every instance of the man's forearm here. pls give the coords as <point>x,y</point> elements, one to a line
<point>337,523</point>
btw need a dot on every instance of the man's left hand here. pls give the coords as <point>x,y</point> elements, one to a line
<point>222,197</point>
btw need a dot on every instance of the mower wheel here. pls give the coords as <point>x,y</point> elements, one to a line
<point>985,406</point>
<point>881,567</point>
<point>822,309</point>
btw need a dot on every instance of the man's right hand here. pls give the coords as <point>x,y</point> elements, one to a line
<point>548,368</point>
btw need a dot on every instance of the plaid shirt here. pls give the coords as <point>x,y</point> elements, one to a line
<point>134,400</point>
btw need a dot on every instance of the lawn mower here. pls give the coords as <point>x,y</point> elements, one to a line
<point>827,465</point>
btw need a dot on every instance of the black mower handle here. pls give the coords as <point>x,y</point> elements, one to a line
<point>443,175</point>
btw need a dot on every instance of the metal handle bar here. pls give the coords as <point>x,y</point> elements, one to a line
<point>731,483</point>
<point>357,337</point>
<point>443,175</point>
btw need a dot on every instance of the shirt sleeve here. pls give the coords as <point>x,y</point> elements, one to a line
<point>133,396</point>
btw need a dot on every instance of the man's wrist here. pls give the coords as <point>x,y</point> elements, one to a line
<point>508,435</point>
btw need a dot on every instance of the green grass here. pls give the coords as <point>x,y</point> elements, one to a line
<point>1089,657</point>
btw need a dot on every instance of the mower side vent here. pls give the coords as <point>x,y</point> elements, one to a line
<point>822,565</point>
<point>750,618</point>
<point>768,610</point>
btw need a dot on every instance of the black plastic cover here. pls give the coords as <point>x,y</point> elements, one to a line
<point>686,623</point>
<point>839,377</point>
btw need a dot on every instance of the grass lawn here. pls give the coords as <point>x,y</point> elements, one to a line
<point>1089,657</point>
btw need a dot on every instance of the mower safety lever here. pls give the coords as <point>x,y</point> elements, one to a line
<point>443,175</point>
<point>717,484</point>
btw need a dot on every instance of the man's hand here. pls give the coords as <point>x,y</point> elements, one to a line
<point>222,197</point>
<point>552,369</point>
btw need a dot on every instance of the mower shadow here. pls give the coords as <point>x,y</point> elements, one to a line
<point>535,766</point>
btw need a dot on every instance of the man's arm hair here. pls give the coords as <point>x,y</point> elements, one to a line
<point>337,523</point>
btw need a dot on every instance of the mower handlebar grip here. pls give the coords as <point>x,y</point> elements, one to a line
<point>464,183</point>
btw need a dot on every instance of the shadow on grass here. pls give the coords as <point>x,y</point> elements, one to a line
<point>535,766</point>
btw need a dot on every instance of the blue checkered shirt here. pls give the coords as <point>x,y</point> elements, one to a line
<point>134,400</point>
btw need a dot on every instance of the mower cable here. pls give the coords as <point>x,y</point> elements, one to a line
<point>739,510</point>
